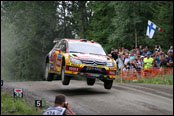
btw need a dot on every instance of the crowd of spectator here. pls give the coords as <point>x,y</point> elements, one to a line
<point>142,57</point>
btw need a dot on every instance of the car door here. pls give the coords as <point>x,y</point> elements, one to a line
<point>59,54</point>
<point>52,57</point>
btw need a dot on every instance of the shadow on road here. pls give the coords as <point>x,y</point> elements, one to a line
<point>79,92</point>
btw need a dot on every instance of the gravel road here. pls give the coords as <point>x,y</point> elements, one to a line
<point>122,99</point>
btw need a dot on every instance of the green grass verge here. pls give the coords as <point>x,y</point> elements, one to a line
<point>164,79</point>
<point>11,106</point>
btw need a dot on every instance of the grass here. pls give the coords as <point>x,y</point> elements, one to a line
<point>164,79</point>
<point>11,106</point>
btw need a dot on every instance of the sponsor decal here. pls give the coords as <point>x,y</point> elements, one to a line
<point>74,69</point>
<point>58,62</point>
<point>111,72</point>
<point>59,56</point>
<point>51,66</point>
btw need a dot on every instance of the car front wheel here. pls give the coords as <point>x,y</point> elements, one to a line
<point>108,84</point>
<point>65,79</point>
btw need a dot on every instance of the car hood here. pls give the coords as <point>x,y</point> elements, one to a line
<point>83,56</point>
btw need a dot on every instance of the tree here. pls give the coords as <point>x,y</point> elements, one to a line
<point>100,26</point>
<point>34,24</point>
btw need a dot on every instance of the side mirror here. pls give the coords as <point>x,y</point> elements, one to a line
<point>57,49</point>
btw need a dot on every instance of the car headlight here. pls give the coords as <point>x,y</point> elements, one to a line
<point>110,64</point>
<point>73,60</point>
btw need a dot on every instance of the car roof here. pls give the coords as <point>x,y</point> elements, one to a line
<point>81,40</point>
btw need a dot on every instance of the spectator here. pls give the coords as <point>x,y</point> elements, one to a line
<point>139,62</point>
<point>112,50</point>
<point>60,108</point>
<point>120,62</point>
<point>131,56</point>
<point>170,58</point>
<point>121,51</point>
<point>171,48</point>
<point>157,48</point>
<point>137,52</point>
<point>126,61</point>
<point>141,50</point>
<point>156,60</point>
<point>114,54</point>
<point>163,60</point>
<point>148,61</point>
<point>145,51</point>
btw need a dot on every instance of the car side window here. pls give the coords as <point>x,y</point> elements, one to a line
<point>56,46</point>
<point>62,46</point>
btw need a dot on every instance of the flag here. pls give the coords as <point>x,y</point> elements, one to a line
<point>150,29</point>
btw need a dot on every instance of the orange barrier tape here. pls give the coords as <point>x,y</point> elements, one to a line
<point>141,73</point>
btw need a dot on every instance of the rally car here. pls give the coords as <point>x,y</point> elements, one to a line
<point>80,58</point>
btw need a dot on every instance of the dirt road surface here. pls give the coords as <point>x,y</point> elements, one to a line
<point>122,99</point>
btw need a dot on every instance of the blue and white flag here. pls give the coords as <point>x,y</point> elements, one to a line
<point>150,29</point>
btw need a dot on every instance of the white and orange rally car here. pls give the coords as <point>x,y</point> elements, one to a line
<point>82,58</point>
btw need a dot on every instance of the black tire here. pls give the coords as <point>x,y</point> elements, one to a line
<point>65,79</point>
<point>108,84</point>
<point>48,76</point>
<point>90,81</point>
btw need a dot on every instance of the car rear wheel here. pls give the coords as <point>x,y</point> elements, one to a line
<point>108,84</point>
<point>65,79</point>
<point>48,76</point>
<point>90,81</point>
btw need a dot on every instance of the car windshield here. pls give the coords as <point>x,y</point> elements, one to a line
<point>85,47</point>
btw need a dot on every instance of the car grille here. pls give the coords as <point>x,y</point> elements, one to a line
<point>93,70</point>
<point>94,63</point>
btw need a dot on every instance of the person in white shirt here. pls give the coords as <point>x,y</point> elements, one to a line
<point>60,108</point>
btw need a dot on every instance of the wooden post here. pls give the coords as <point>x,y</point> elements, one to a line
<point>38,109</point>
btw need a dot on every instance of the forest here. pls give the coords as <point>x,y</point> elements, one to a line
<point>28,29</point>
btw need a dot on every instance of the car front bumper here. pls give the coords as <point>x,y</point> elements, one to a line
<point>79,72</point>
